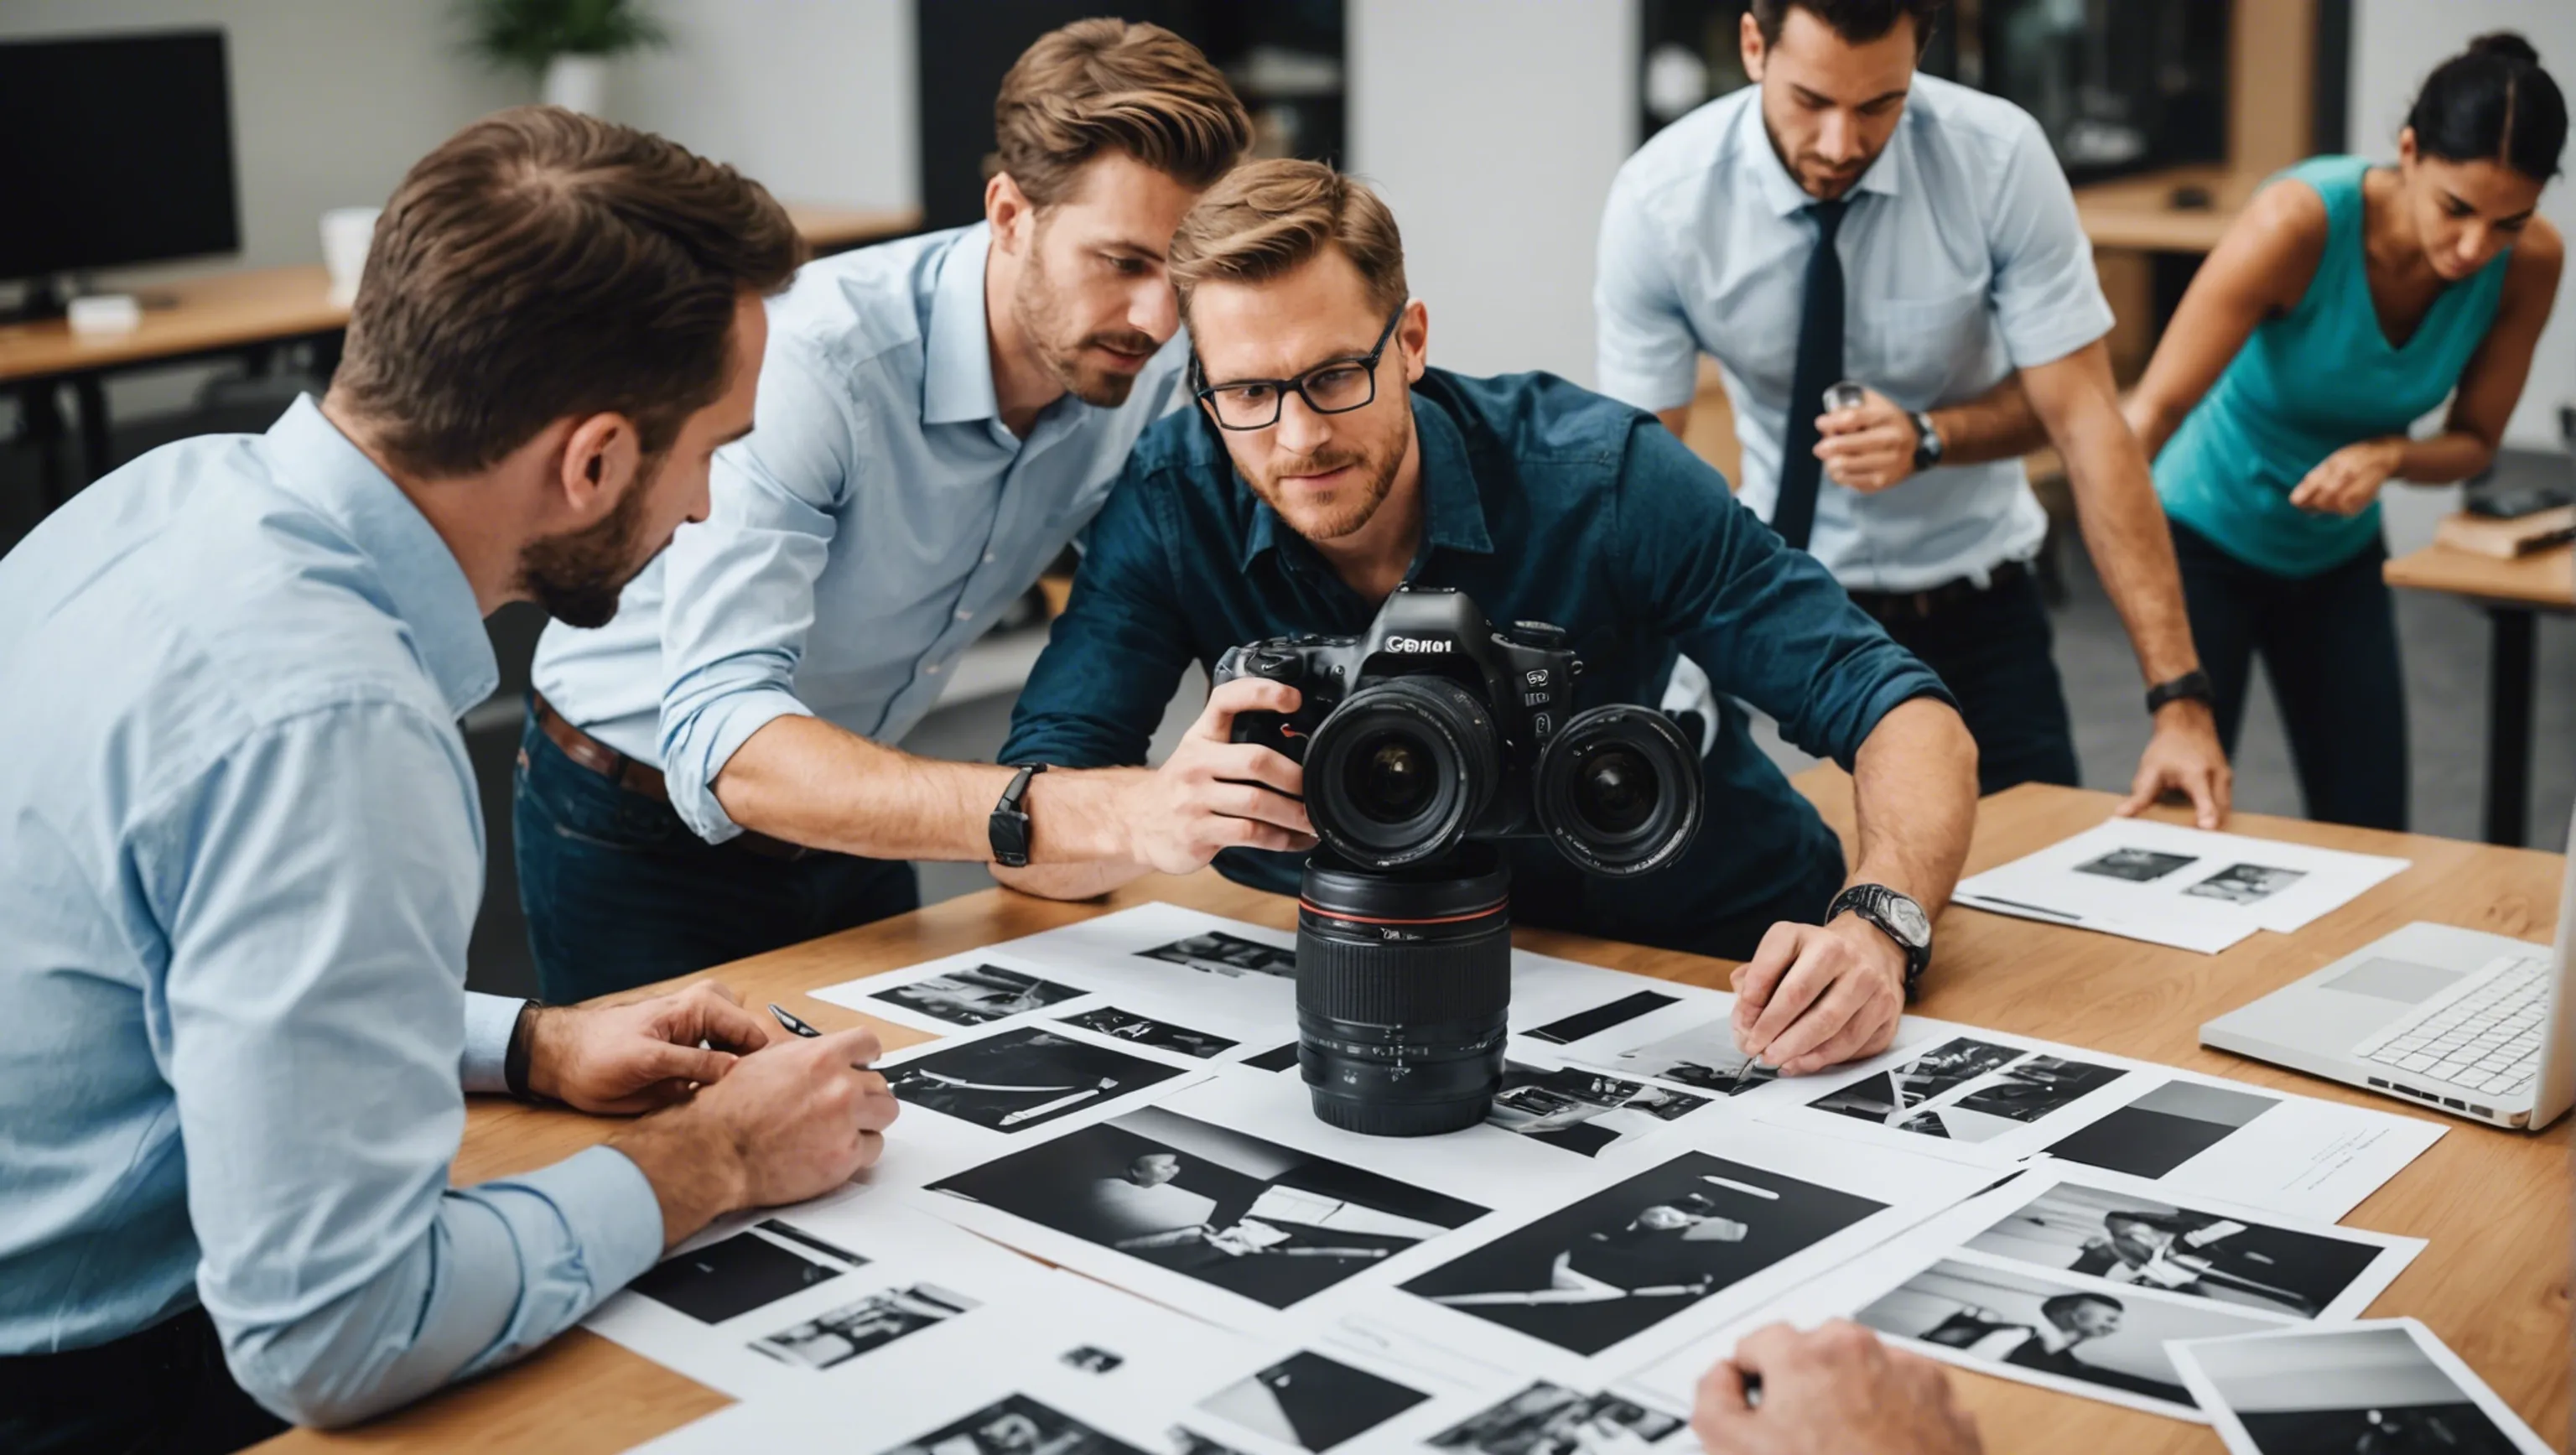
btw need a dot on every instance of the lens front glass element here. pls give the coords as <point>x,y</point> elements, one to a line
<point>1615,790</point>
<point>1391,781</point>
<point>1619,790</point>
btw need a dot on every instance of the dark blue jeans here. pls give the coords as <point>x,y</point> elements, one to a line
<point>620,893</point>
<point>1993,651</point>
<point>161,1391</point>
<point>2329,645</point>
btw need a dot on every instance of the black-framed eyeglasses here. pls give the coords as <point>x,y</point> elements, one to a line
<point>1337,387</point>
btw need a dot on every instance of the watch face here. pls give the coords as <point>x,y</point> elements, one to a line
<point>1906,917</point>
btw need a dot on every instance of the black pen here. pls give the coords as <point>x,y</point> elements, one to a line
<point>791,1022</point>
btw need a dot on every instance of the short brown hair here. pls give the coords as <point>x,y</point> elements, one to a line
<point>1268,218</point>
<point>1858,22</point>
<point>1108,85</point>
<point>540,264</point>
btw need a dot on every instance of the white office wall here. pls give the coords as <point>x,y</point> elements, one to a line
<point>1493,127</point>
<point>2395,44</point>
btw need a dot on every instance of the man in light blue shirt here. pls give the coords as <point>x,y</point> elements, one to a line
<point>1846,219</point>
<point>712,774</point>
<point>244,846</point>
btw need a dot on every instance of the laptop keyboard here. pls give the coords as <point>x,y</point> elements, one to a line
<point>2485,1040</point>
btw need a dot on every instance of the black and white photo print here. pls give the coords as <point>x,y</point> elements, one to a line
<point>1218,953</point>
<point>1311,1402</point>
<point>1549,1419</point>
<point>1126,1025</point>
<point>1583,1111</point>
<point>1267,1222</point>
<point>2351,1391</point>
<point>2007,1321</point>
<point>2163,1129</point>
<point>1091,1359</point>
<point>1277,1058</point>
<point>2138,866</point>
<point>1703,1057</point>
<point>2245,883</point>
<point>2026,1091</point>
<point>2121,1237</point>
<point>1021,1078</point>
<point>1634,1254</point>
<point>1016,1425</point>
<point>752,1269</point>
<point>977,995</point>
<point>1890,1097</point>
<point>1567,1030</point>
<point>853,1329</point>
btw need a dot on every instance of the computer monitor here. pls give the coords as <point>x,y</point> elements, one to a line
<point>115,150</point>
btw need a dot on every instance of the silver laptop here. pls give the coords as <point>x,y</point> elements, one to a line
<point>2471,1023</point>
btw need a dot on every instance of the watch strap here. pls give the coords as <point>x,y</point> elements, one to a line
<point>1008,829</point>
<point>1928,448</point>
<point>1869,901</point>
<point>2194,684</point>
<point>522,1048</point>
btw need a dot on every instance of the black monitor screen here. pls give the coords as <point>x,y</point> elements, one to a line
<point>115,149</point>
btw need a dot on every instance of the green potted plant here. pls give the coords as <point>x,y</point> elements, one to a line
<point>568,42</point>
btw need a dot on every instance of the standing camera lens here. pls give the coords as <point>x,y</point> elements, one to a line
<point>1398,771</point>
<point>1619,790</point>
<point>1404,980</point>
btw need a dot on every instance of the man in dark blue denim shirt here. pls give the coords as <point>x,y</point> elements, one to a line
<point>1538,500</point>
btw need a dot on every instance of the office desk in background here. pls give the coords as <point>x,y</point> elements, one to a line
<point>2513,593</point>
<point>2494,1204</point>
<point>251,312</point>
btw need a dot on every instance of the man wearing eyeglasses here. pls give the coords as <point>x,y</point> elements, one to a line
<point>714,773</point>
<point>1366,469</point>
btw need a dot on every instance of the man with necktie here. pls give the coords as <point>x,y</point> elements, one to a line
<point>1844,218</point>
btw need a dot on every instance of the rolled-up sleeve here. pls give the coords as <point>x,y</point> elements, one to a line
<point>316,915</point>
<point>1646,353</point>
<point>2047,297</point>
<point>1767,623</point>
<point>1114,658</point>
<point>738,589</point>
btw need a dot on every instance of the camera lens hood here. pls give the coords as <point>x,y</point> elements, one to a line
<point>1619,791</point>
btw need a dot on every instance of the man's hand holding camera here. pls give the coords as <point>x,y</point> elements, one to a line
<point>1214,793</point>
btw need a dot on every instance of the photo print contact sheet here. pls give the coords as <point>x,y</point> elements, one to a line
<point>2384,1385</point>
<point>821,1292</point>
<point>1996,1100</point>
<point>2170,885</point>
<point>1087,1370</point>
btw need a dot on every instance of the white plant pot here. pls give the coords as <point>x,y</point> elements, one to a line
<point>578,83</point>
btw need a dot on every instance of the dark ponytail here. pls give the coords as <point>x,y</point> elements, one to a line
<point>2492,103</point>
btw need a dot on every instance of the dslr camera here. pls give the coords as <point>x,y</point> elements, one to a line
<point>1425,739</point>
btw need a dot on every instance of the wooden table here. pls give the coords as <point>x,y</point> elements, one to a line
<point>2495,1204</point>
<point>2513,593</point>
<point>249,310</point>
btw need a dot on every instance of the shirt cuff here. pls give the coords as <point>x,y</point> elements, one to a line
<point>489,1020</point>
<point>610,1209</point>
<point>689,769</point>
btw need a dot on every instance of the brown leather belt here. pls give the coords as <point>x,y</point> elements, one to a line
<point>1890,607</point>
<point>641,779</point>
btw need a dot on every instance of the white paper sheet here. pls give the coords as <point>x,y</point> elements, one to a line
<point>2387,1384</point>
<point>1997,1100</point>
<point>799,1302</point>
<point>1090,1371</point>
<point>1690,1044</point>
<point>2178,886</point>
<point>1636,1259</point>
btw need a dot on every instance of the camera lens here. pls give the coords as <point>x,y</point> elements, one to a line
<point>1396,774</point>
<point>1404,982</point>
<point>1619,790</point>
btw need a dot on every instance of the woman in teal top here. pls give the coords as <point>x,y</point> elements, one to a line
<point>2347,302</point>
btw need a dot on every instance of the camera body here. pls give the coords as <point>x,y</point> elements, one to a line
<point>1433,728</point>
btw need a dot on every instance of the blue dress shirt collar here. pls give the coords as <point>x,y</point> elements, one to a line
<point>1453,511</point>
<point>957,347</point>
<point>318,465</point>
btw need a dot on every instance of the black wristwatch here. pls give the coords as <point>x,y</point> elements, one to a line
<point>1009,826</point>
<point>1928,448</point>
<point>1898,917</point>
<point>520,1053</point>
<point>2193,684</point>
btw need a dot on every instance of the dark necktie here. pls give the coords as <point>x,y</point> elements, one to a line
<point>1820,366</point>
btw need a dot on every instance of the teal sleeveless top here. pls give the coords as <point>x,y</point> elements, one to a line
<point>2308,383</point>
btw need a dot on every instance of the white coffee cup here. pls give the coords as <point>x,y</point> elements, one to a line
<point>346,234</point>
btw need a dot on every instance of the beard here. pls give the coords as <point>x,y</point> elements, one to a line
<point>1045,319</point>
<point>577,576</point>
<point>1348,510</point>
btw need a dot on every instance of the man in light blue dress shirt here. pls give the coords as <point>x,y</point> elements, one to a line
<point>244,845</point>
<point>713,774</point>
<point>1846,219</point>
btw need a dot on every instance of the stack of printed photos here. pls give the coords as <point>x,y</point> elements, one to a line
<point>1120,1099</point>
